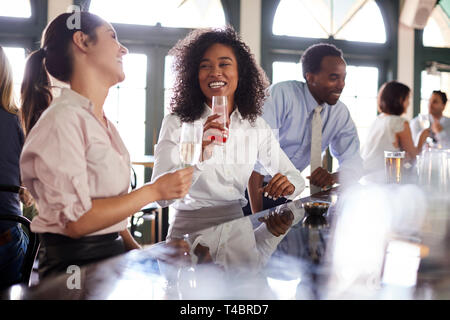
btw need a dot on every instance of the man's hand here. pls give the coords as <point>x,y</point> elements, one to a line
<point>322,178</point>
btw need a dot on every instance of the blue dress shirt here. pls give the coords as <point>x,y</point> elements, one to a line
<point>289,110</point>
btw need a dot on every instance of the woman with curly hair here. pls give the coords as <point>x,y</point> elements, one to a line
<point>215,62</point>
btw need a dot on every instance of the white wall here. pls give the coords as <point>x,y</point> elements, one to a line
<point>56,7</point>
<point>250,25</point>
<point>405,66</point>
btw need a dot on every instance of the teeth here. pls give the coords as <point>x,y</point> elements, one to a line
<point>216,84</point>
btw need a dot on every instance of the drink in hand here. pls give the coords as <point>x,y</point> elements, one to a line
<point>190,153</point>
<point>190,143</point>
<point>219,106</point>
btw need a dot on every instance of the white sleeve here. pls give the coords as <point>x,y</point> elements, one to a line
<point>274,160</point>
<point>167,158</point>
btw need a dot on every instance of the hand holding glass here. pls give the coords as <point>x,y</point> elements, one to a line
<point>219,106</point>
<point>190,143</point>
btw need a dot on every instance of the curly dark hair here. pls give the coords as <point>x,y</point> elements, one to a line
<point>391,97</point>
<point>188,100</point>
<point>313,56</point>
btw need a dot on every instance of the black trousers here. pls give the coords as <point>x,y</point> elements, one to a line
<point>57,252</point>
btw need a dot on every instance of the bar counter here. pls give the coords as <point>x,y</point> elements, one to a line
<point>315,259</point>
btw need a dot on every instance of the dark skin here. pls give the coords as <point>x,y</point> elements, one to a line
<point>326,87</point>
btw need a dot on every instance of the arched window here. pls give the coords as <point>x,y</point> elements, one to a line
<point>437,31</point>
<point>358,20</point>
<point>435,55</point>
<point>355,21</point>
<point>148,28</point>
<point>16,8</point>
<point>167,13</point>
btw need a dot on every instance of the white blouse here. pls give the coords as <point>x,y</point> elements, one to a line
<point>381,137</point>
<point>223,178</point>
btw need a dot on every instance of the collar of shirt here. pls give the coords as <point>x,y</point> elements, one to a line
<point>311,102</point>
<point>78,99</point>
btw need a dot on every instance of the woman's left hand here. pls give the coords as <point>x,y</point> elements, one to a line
<point>279,186</point>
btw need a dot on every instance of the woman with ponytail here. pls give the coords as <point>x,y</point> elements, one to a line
<point>74,161</point>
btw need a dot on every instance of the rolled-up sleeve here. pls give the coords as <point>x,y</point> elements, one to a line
<point>54,169</point>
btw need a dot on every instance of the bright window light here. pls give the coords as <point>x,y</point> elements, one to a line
<point>366,25</point>
<point>350,20</point>
<point>169,13</point>
<point>125,107</point>
<point>16,8</point>
<point>16,57</point>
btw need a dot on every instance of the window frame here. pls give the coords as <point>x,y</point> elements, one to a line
<point>288,48</point>
<point>25,32</point>
<point>422,57</point>
<point>155,42</point>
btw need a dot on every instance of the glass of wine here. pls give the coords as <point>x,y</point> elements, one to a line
<point>219,106</point>
<point>190,143</point>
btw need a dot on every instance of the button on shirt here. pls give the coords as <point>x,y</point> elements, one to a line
<point>70,158</point>
<point>223,178</point>
<point>289,110</point>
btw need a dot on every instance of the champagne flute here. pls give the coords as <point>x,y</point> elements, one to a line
<point>219,106</point>
<point>190,143</point>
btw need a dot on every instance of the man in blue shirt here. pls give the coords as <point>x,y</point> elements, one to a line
<point>289,111</point>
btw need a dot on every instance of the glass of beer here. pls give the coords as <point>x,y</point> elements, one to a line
<point>393,166</point>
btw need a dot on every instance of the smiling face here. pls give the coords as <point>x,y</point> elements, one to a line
<point>328,83</point>
<point>218,73</point>
<point>106,54</point>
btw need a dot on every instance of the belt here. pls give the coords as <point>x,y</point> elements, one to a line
<point>5,237</point>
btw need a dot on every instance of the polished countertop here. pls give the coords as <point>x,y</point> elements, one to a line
<point>332,254</point>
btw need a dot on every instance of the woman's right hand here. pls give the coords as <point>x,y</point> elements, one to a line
<point>207,145</point>
<point>174,185</point>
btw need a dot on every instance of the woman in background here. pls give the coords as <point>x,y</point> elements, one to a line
<point>74,162</point>
<point>390,131</point>
<point>13,240</point>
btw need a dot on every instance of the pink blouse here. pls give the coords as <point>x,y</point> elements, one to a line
<point>70,158</point>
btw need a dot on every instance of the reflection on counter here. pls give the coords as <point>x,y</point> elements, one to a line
<point>367,242</point>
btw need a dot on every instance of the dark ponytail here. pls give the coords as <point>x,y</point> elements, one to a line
<point>54,58</point>
<point>35,91</point>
